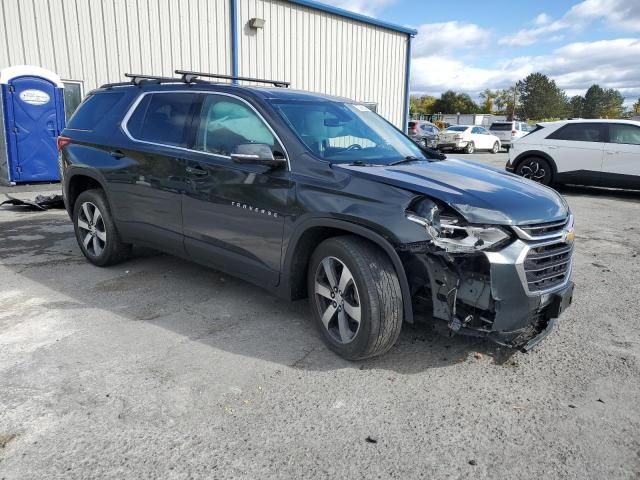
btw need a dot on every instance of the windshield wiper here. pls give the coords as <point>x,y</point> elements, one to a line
<point>407,159</point>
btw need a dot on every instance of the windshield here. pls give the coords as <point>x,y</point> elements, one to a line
<point>344,132</point>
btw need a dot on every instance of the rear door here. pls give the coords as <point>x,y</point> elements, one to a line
<point>481,138</point>
<point>622,151</point>
<point>577,146</point>
<point>233,214</point>
<point>148,177</point>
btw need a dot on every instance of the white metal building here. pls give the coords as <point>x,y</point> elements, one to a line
<point>314,46</point>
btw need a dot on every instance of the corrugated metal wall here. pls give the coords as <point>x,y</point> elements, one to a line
<point>97,41</point>
<point>326,53</point>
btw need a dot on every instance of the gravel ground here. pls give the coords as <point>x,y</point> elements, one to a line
<point>157,368</point>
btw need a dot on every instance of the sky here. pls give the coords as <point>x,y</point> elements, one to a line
<point>471,45</point>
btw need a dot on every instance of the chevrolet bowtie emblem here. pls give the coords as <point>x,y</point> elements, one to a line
<point>570,236</point>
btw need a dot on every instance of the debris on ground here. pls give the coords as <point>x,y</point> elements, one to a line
<point>41,202</point>
<point>371,440</point>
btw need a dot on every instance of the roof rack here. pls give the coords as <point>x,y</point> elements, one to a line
<point>137,79</point>
<point>188,77</point>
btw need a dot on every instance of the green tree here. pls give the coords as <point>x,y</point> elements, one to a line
<point>576,106</point>
<point>452,102</point>
<point>602,103</point>
<point>540,98</point>
<point>421,105</point>
<point>506,100</point>
<point>488,97</point>
<point>636,107</point>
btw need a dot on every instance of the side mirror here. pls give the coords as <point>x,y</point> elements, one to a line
<point>257,154</point>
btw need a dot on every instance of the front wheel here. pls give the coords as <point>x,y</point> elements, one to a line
<point>470,148</point>
<point>496,148</point>
<point>536,169</point>
<point>355,297</point>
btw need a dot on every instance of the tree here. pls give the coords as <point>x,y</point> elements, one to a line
<point>601,103</point>
<point>540,98</point>
<point>488,96</point>
<point>576,106</point>
<point>452,102</point>
<point>636,107</point>
<point>421,105</point>
<point>505,101</point>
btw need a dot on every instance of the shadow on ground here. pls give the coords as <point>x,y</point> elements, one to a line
<point>204,305</point>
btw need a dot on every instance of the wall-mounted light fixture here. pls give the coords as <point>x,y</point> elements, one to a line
<point>256,23</point>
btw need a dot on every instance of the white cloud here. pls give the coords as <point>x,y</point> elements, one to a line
<point>542,19</point>
<point>623,14</point>
<point>440,37</point>
<point>574,67</point>
<point>528,36</point>
<point>365,7</point>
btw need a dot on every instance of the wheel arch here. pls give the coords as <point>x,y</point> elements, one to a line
<point>77,180</point>
<point>310,234</point>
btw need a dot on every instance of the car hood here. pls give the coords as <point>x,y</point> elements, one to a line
<point>480,193</point>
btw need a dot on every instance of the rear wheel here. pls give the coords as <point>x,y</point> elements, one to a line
<point>470,148</point>
<point>496,148</point>
<point>536,169</point>
<point>96,231</point>
<point>355,297</point>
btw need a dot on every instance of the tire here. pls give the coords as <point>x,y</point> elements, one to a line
<point>370,291</point>
<point>470,148</point>
<point>96,233</point>
<point>495,149</point>
<point>537,169</point>
<point>507,147</point>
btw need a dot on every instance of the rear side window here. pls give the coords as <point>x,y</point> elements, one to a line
<point>163,118</point>
<point>93,109</point>
<point>579,132</point>
<point>500,126</point>
<point>624,133</point>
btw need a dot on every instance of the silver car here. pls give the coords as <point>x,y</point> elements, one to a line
<point>508,132</point>
<point>424,133</point>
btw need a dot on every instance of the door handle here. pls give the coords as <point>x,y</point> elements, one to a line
<point>198,171</point>
<point>611,153</point>
<point>552,147</point>
<point>117,154</point>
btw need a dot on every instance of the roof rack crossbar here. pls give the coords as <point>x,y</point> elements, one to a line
<point>188,77</point>
<point>137,79</point>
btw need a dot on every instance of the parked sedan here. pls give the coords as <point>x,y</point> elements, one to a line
<point>468,138</point>
<point>424,133</point>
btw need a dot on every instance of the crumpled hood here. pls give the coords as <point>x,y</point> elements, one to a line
<point>481,194</point>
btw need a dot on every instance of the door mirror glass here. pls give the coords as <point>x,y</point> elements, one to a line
<point>255,153</point>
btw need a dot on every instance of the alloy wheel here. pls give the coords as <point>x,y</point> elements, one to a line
<point>91,228</point>
<point>337,299</point>
<point>533,171</point>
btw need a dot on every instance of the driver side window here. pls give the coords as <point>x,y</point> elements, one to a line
<point>226,122</point>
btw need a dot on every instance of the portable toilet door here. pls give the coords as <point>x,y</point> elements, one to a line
<point>33,117</point>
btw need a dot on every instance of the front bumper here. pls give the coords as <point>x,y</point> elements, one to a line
<point>500,297</point>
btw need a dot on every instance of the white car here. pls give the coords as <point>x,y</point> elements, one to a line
<point>468,138</point>
<point>509,132</point>
<point>585,152</point>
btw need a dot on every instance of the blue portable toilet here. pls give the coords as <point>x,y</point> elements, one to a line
<point>32,117</point>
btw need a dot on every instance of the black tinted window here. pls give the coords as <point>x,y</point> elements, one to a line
<point>93,109</point>
<point>501,126</point>
<point>163,118</point>
<point>579,132</point>
<point>624,133</point>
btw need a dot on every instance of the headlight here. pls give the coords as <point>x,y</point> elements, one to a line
<point>451,233</point>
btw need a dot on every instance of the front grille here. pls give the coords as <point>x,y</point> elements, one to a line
<point>544,229</point>
<point>548,266</point>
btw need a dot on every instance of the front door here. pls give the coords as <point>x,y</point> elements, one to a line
<point>577,146</point>
<point>34,126</point>
<point>233,214</point>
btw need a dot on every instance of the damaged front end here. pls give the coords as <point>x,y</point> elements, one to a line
<point>508,284</point>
